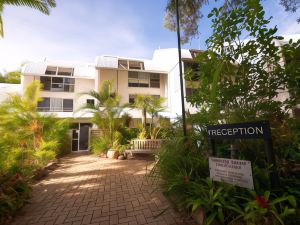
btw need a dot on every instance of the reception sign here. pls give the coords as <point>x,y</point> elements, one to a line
<point>240,176</point>
<point>232,171</point>
<point>259,129</point>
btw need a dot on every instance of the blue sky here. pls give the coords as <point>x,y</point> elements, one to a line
<point>78,30</point>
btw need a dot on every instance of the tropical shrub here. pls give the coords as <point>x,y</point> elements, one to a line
<point>14,192</point>
<point>152,105</point>
<point>29,139</point>
<point>260,210</point>
<point>184,172</point>
<point>100,145</point>
<point>239,81</point>
<point>106,110</point>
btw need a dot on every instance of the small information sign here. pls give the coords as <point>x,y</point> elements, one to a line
<point>232,171</point>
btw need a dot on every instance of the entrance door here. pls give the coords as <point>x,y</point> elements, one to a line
<point>75,137</point>
<point>84,136</point>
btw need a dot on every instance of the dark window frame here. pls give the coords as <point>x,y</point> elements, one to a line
<point>67,84</point>
<point>137,79</point>
<point>90,102</point>
<point>45,105</point>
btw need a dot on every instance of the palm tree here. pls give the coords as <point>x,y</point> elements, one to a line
<point>25,132</point>
<point>106,110</point>
<point>142,102</point>
<point>156,106</point>
<point>41,5</point>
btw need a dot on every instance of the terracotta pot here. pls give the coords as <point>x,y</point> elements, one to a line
<point>112,154</point>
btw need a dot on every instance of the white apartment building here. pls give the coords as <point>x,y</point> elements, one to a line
<point>65,82</point>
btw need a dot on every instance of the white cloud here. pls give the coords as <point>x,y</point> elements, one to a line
<point>74,31</point>
<point>286,21</point>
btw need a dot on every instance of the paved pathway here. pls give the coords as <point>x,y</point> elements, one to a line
<point>86,189</point>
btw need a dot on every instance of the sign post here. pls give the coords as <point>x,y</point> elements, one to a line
<point>250,130</point>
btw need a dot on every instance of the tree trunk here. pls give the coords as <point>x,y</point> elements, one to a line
<point>144,118</point>
<point>110,132</point>
<point>152,117</point>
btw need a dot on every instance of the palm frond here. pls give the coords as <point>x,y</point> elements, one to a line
<point>1,21</point>
<point>41,5</point>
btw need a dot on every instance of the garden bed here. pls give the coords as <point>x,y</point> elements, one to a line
<point>15,190</point>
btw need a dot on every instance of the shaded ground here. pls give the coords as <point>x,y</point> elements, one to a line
<point>86,189</point>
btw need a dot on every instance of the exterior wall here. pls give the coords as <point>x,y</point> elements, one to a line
<point>168,58</point>
<point>81,85</point>
<point>109,74</point>
<point>26,80</point>
<point>174,92</point>
<point>120,84</point>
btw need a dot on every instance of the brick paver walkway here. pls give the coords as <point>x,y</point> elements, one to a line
<point>86,189</point>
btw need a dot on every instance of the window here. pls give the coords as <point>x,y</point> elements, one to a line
<point>133,79</point>
<point>68,105</point>
<point>132,98</point>
<point>90,101</point>
<point>46,81</point>
<point>190,91</point>
<point>51,70</point>
<point>44,105</point>
<point>69,84</point>
<point>138,79</point>
<point>58,84</point>
<point>65,71</point>
<point>55,105</point>
<point>154,80</point>
<point>130,64</point>
<point>143,80</point>
<point>136,65</point>
<point>60,71</point>
<point>123,64</point>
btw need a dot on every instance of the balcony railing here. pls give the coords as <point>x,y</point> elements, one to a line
<point>54,109</point>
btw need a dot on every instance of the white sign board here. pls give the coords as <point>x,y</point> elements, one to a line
<point>232,171</point>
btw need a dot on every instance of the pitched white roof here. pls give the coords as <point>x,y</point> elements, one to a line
<point>106,61</point>
<point>80,70</point>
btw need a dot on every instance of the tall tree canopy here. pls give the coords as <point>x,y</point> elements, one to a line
<point>291,6</point>
<point>190,14</point>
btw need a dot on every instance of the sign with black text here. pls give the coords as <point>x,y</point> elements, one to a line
<point>232,171</point>
<point>259,129</point>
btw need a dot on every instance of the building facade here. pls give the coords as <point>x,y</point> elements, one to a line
<point>64,85</point>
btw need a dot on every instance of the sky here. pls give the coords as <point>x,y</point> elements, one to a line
<point>80,30</point>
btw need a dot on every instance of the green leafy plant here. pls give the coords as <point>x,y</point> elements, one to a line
<point>262,210</point>
<point>29,139</point>
<point>213,199</point>
<point>100,145</point>
<point>106,110</point>
<point>14,192</point>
